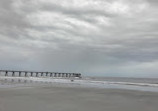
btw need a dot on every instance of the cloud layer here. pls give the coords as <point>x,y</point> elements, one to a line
<point>103,37</point>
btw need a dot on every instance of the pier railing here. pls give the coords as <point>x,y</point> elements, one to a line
<point>14,73</point>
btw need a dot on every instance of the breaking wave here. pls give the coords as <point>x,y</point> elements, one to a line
<point>20,81</point>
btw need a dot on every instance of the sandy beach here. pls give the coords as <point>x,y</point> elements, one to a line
<point>76,99</point>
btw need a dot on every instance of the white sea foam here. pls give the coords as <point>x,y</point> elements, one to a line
<point>84,83</point>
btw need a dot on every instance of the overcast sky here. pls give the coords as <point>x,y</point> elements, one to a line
<point>93,37</point>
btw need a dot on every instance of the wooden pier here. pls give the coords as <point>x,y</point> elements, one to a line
<point>38,74</point>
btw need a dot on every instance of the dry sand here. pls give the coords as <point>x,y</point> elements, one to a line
<point>76,99</point>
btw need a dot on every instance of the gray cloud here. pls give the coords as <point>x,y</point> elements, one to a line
<point>103,37</point>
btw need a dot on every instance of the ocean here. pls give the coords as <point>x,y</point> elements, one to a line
<point>141,84</point>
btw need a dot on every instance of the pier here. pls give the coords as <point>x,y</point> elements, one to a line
<point>14,73</point>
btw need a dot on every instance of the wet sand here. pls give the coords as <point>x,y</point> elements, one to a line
<point>76,99</point>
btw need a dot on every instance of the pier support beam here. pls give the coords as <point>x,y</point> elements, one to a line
<point>6,73</point>
<point>46,73</point>
<point>25,74</point>
<point>41,73</point>
<point>13,74</point>
<point>19,74</point>
<point>31,74</point>
<point>51,74</point>
<point>36,74</point>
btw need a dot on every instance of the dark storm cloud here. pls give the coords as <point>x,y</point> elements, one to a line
<point>104,37</point>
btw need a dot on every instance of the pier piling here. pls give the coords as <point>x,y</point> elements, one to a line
<point>13,74</point>
<point>25,74</point>
<point>31,74</point>
<point>6,73</point>
<point>36,74</point>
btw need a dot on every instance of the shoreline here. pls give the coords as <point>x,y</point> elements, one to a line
<point>45,98</point>
<point>38,81</point>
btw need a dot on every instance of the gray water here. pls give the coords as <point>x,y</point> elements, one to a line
<point>141,84</point>
<point>124,79</point>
